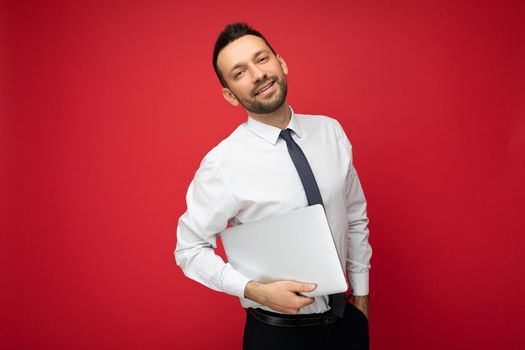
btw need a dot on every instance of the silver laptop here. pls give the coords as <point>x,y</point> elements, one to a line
<point>294,246</point>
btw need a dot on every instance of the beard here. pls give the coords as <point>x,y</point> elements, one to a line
<point>257,106</point>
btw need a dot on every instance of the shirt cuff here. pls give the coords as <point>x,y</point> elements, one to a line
<point>359,283</point>
<point>233,281</point>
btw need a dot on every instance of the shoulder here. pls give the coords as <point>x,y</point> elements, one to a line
<point>321,123</point>
<point>315,119</point>
<point>225,148</point>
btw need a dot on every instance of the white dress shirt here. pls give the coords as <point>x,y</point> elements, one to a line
<point>250,176</point>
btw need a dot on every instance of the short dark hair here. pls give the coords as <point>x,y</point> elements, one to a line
<point>232,32</point>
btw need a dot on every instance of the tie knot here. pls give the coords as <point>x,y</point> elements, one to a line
<point>286,134</point>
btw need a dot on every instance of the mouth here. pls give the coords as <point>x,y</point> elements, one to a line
<point>264,88</point>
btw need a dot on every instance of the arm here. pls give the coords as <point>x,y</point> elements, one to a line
<point>209,207</point>
<point>359,250</point>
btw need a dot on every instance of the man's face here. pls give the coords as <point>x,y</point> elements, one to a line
<point>255,77</point>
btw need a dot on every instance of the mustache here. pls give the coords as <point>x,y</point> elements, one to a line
<point>267,80</point>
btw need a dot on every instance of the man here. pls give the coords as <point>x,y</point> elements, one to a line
<point>259,171</point>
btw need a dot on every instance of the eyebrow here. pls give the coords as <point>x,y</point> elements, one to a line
<point>254,55</point>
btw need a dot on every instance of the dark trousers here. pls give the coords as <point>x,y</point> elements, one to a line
<point>349,332</point>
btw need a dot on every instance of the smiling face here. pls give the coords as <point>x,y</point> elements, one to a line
<point>255,76</point>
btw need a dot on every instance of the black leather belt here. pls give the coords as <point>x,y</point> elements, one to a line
<point>283,320</point>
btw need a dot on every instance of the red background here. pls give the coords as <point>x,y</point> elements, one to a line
<point>107,109</point>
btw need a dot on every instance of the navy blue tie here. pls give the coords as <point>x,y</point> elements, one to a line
<point>336,301</point>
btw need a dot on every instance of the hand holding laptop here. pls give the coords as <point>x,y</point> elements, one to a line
<point>281,296</point>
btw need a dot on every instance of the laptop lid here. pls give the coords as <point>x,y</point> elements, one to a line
<point>296,245</point>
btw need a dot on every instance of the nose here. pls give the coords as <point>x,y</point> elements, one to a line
<point>258,74</point>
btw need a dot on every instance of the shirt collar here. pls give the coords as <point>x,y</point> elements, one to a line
<point>271,133</point>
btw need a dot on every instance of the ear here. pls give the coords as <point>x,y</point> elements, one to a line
<point>283,64</point>
<point>229,96</point>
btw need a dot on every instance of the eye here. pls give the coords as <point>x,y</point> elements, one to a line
<point>238,74</point>
<point>263,59</point>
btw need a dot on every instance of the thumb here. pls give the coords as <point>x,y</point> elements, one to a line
<point>303,287</point>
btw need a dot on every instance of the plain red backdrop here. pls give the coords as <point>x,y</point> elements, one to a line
<point>108,107</point>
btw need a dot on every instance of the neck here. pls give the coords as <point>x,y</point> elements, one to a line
<point>280,118</point>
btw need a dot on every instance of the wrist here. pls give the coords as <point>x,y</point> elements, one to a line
<point>360,299</point>
<point>252,290</point>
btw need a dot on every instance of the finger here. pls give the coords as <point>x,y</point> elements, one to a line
<point>291,311</point>
<point>299,302</point>
<point>306,301</point>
